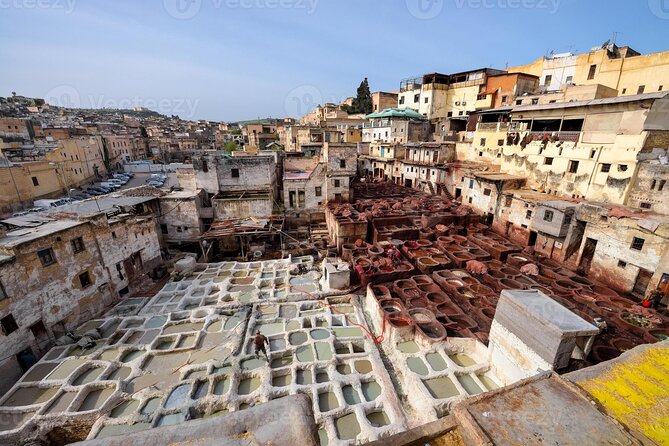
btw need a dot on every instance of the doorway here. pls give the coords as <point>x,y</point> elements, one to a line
<point>642,281</point>
<point>533,238</point>
<point>458,192</point>
<point>588,254</point>
<point>407,183</point>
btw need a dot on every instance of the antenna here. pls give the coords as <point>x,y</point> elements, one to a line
<point>615,37</point>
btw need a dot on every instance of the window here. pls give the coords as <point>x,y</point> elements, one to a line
<point>179,229</point>
<point>426,99</point>
<point>85,279</point>
<point>548,216</point>
<point>660,88</point>
<point>528,214</point>
<point>605,167</point>
<point>593,152</point>
<point>645,205</point>
<point>416,98</point>
<point>637,243</point>
<point>624,90</point>
<point>319,191</point>
<point>504,98</point>
<point>591,73</point>
<point>641,89</point>
<point>342,163</point>
<point>471,184</point>
<point>235,173</point>
<point>661,186</point>
<point>47,257</point>
<point>35,182</point>
<point>401,100</point>
<point>483,141</point>
<point>535,101</point>
<point>119,271</point>
<point>500,142</point>
<point>622,167</point>
<point>519,102</point>
<point>470,200</point>
<point>622,264</point>
<point>569,80</point>
<point>114,235</point>
<point>449,114</point>
<point>3,293</point>
<point>8,324</point>
<point>573,166</point>
<point>163,228</point>
<point>548,161</point>
<point>652,185</point>
<point>549,80</point>
<point>205,166</point>
<point>78,245</point>
<point>337,183</point>
<point>487,192</point>
<point>508,201</point>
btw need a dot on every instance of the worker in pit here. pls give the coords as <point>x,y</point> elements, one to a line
<point>394,254</point>
<point>259,342</point>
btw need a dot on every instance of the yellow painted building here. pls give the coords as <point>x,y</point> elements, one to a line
<point>620,68</point>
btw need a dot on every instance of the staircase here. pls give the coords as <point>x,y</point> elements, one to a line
<point>431,187</point>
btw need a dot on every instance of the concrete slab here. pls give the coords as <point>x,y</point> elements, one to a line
<point>540,412</point>
<point>287,421</point>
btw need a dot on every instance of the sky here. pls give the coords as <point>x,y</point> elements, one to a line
<point>229,60</point>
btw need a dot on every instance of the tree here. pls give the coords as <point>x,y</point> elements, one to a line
<point>362,103</point>
<point>230,146</point>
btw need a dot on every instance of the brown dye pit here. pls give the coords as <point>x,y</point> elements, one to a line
<point>363,366</point>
